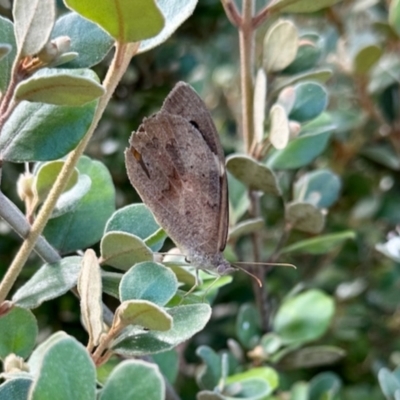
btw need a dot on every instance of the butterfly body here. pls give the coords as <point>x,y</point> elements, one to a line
<point>176,163</point>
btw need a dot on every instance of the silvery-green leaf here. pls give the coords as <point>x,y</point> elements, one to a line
<point>78,372</point>
<point>142,313</point>
<point>4,50</point>
<point>149,281</point>
<point>305,217</point>
<point>90,291</point>
<point>134,380</point>
<point>175,13</point>
<point>16,389</point>
<point>280,46</point>
<point>279,127</point>
<point>45,177</point>
<point>187,320</point>
<point>7,37</point>
<point>69,200</point>
<point>254,175</point>
<point>88,40</point>
<point>246,227</point>
<point>60,87</point>
<point>33,22</point>
<point>122,250</point>
<point>49,282</point>
<point>299,6</point>
<point>260,95</point>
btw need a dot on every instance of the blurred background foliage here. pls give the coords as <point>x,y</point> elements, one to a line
<point>353,40</point>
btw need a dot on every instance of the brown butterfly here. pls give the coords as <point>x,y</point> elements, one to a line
<point>176,163</point>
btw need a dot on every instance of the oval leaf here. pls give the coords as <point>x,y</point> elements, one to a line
<point>279,127</point>
<point>87,39</point>
<point>122,250</point>
<point>33,22</point>
<point>126,21</point>
<point>142,313</point>
<point>78,377</point>
<point>305,217</point>
<point>311,101</point>
<point>49,282</point>
<point>134,380</point>
<point>137,220</point>
<point>260,95</point>
<point>280,46</point>
<point>253,174</point>
<point>304,317</point>
<point>60,87</point>
<point>18,331</point>
<point>175,13</point>
<point>187,320</point>
<point>149,281</point>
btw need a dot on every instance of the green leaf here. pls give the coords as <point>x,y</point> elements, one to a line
<point>270,343</point>
<point>209,376</point>
<point>302,150</point>
<point>5,49</point>
<point>253,174</point>
<point>311,357</point>
<point>168,362</point>
<point>299,391</point>
<point>209,395</point>
<point>366,58</point>
<point>383,154</point>
<point>87,39</point>
<point>394,15</point>
<point>49,282</point>
<point>60,87</point>
<point>7,37</point>
<point>90,292</point>
<point>248,327</point>
<point>149,281</point>
<point>43,132</point>
<point>126,21</point>
<point>320,188</point>
<point>46,175</point>
<point>134,380</point>
<point>33,23</point>
<point>389,382</point>
<point>311,101</point>
<point>246,227</point>
<point>325,385</point>
<point>304,217</point>
<point>319,245</point>
<point>256,383</point>
<point>308,54</point>
<point>83,226</point>
<point>15,389</point>
<point>137,220</point>
<point>305,317</point>
<point>317,75</point>
<point>187,320</point>
<point>122,250</point>
<point>175,13</point>
<point>142,313</point>
<point>35,360</point>
<point>18,331</point>
<point>279,131</point>
<point>300,6</point>
<point>69,200</point>
<point>280,46</point>
<point>78,377</point>
<point>110,282</point>
<point>238,198</point>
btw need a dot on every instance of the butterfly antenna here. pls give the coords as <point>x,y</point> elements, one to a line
<point>249,273</point>
<point>268,264</point>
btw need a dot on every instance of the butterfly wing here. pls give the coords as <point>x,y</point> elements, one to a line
<point>178,176</point>
<point>185,102</point>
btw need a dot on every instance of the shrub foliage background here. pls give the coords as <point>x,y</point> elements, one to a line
<point>313,180</point>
